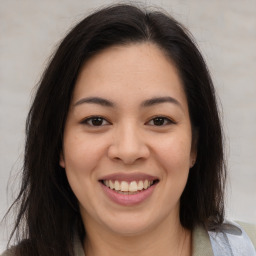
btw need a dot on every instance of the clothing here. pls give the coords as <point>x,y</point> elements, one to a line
<point>201,242</point>
<point>202,245</point>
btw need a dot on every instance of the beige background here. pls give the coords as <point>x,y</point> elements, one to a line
<point>226,33</point>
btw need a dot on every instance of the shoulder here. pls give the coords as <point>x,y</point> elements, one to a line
<point>233,239</point>
<point>250,229</point>
<point>9,252</point>
<point>17,249</point>
<point>229,238</point>
<point>201,244</point>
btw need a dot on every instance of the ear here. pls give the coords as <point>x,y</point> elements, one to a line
<point>62,160</point>
<point>193,152</point>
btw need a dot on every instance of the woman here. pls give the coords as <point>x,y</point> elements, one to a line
<point>124,151</point>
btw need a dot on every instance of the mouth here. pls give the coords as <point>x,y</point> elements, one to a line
<point>129,187</point>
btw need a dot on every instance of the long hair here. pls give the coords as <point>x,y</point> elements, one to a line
<point>48,211</point>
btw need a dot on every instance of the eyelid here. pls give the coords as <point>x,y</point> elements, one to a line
<point>168,119</point>
<point>90,118</point>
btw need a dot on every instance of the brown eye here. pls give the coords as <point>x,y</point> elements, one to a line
<point>95,121</point>
<point>160,121</point>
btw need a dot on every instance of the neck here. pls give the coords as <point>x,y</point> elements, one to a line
<point>174,241</point>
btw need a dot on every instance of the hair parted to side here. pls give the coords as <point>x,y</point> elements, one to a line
<point>48,210</point>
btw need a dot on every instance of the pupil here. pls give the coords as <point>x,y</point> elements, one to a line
<point>159,121</point>
<point>97,121</point>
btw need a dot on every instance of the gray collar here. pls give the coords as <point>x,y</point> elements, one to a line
<point>201,243</point>
<point>230,240</point>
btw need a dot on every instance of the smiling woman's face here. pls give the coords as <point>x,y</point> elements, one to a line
<point>127,140</point>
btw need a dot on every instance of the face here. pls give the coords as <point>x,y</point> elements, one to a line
<point>127,146</point>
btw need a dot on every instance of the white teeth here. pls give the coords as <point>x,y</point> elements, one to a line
<point>111,184</point>
<point>133,186</point>
<point>140,185</point>
<point>146,183</point>
<point>117,186</point>
<point>124,186</point>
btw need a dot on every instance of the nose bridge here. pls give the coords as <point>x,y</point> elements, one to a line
<point>127,137</point>
<point>128,143</point>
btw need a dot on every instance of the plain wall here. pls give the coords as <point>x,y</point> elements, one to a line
<point>225,31</point>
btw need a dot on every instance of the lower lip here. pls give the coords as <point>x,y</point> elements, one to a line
<point>128,200</point>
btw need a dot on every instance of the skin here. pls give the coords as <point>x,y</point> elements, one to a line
<point>128,141</point>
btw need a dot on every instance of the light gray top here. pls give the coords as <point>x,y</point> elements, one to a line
<point>202,242</point>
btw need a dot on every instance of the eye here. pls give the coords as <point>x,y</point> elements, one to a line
<point>95,121</point>
<point>160,121</point>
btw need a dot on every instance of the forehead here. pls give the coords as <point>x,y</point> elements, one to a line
<point>130,72</point>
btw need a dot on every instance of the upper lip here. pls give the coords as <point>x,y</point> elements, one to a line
<point>129,177</point>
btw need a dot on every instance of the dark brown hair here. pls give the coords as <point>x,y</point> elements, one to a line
<point>48,210</point>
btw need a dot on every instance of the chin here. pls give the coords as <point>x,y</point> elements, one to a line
<point>130,228</point>
<point>131,224</point>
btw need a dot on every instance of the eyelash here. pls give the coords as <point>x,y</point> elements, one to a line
<point>95,118</point>
<point>166,120</point>
<point>89,121</point>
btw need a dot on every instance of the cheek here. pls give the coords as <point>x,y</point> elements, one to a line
<point>81,157</point>
<point>173,157</point>
<point>82,153</point>
<point>174,153</point>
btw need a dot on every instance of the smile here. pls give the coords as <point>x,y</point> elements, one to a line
<point>130,188</point>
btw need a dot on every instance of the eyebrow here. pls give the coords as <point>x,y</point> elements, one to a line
<point>159,100</point>
<point>146,103</point>
<point>95,100</point>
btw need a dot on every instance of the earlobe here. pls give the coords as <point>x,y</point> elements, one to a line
<point>192,162</point>
<point>62,161</point>
<point>193,157</point>
<point>193,154</point>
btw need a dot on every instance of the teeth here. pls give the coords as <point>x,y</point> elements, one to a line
<point>145,185</point>
<point>124,186</point>
<point>111,184</point>
<point>140,185</point>
<point>117,187</point>
<point>133,186</point>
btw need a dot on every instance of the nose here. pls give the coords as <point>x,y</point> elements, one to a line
<point>128,145</point>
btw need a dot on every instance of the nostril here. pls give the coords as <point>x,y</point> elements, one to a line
<point>128,150</point>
